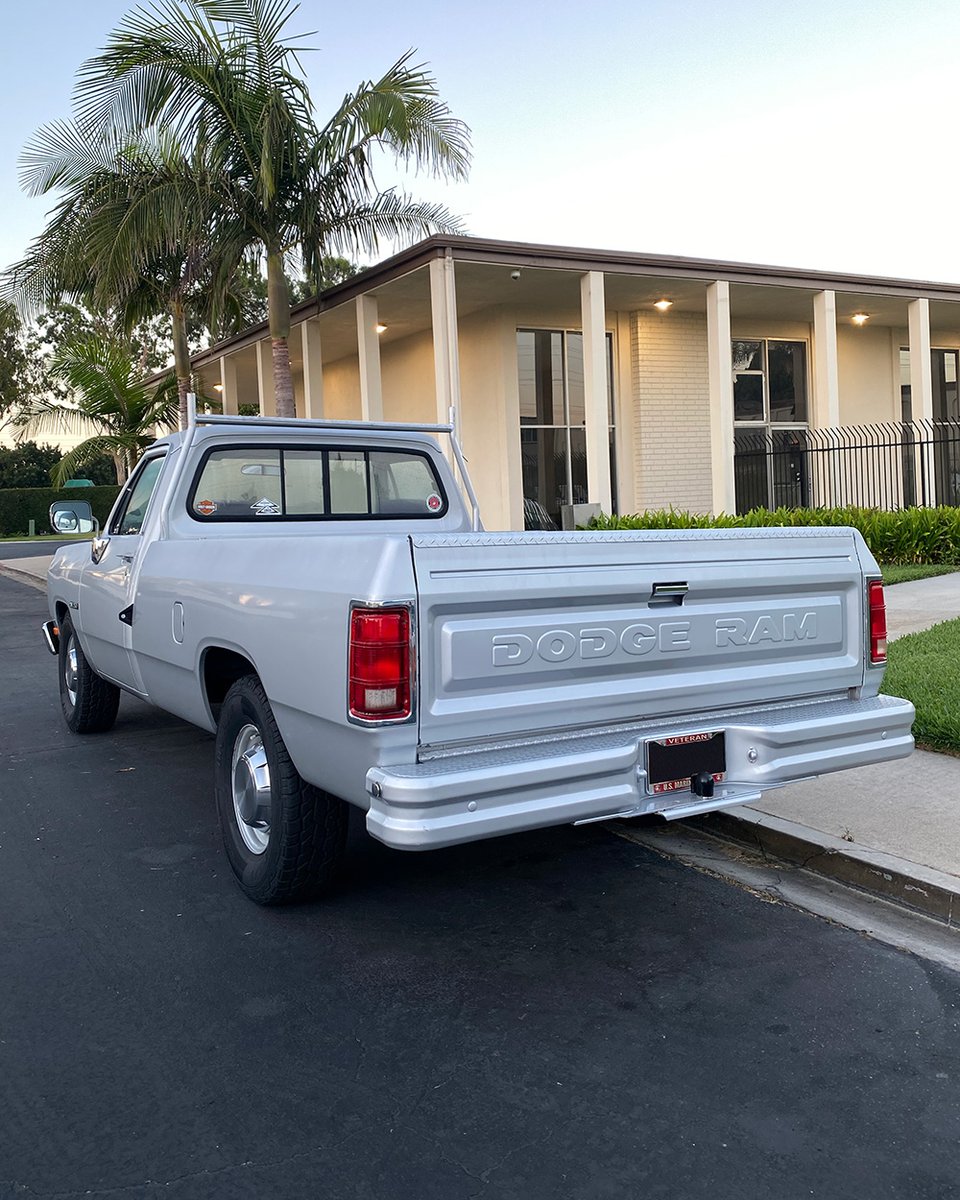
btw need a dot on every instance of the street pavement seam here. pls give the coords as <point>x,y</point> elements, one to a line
<point>912,885</point>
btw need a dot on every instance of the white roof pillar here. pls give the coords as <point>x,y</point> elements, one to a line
<point>921,369</point>
<point>312,369</point>
<point>721,396</point>
<point>368,346</point>
<point>265,388</point>
<point>228,384</point>
<point>446,339</point>
<point>596,389</point>
<point>921,392</point>
<point>826,378</point>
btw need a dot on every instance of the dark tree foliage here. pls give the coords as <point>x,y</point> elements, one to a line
<point>18,375</point>
<point>100,470</point>
<point>29,465</point>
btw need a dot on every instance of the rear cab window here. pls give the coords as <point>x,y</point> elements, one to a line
<point>269,482</point>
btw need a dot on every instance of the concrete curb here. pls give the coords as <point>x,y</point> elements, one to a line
<point>23,577</point>
<point>923,889</point>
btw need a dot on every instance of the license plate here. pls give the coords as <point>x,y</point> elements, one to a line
<point>673,761</point>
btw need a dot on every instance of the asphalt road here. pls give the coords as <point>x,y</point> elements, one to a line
<point>28,549</point>
<point>562,1014</point>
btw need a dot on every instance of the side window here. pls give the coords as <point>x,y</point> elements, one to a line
<point>133,511</point>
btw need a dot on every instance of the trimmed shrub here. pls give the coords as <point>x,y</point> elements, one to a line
<point>18,506</point>
<point>910,535</point>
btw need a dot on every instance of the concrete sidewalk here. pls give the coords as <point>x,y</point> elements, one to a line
<point>892,829</point>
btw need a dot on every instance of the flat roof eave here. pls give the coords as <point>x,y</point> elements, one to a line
<point>569,258</point>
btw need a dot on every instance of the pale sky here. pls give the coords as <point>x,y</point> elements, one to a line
<point>819,134</point>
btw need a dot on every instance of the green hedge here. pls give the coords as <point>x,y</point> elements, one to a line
<point>18,506</point>
<point>911,535</point>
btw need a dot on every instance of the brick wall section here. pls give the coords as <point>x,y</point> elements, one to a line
<point>672,411</point>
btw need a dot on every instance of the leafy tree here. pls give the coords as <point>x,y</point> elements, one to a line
<point>108,393</point>
<point>28,465</point>
<point>22,366</point>
<point>225,86</point>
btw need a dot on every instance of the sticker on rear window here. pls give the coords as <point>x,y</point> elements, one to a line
<point>206,508</point>
<point>434,502</point>
<point>266,508</point>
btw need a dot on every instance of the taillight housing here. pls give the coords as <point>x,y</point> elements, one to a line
<point>877,622</point>
<point>380,664</point>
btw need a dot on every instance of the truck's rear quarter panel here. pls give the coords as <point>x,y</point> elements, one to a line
<point>281,600</point>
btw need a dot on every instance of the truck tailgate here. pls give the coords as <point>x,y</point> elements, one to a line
<point>525,633</point>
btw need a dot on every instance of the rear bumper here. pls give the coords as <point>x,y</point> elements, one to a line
<point>596,776</point>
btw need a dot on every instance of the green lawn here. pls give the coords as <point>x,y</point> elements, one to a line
<point>925,669</point>
<point>915,571</point>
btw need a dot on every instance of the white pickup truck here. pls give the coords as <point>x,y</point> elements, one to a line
<point>319,596</point>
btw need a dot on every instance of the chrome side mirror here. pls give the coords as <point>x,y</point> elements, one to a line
<point>73,516</point>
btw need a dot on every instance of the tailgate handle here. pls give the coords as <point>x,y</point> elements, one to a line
<point>668,593</point>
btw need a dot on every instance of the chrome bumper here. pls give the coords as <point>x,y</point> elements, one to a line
<point>51,635</point>
<point>599,776</point>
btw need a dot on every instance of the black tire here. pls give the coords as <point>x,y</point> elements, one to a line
<point>304,830</point>
<point>90,705</point>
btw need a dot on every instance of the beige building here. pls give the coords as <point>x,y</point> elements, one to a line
<point>633,381</point>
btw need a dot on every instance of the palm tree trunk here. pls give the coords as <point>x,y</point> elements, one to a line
<point>278,308</point>
<point>181,356</point>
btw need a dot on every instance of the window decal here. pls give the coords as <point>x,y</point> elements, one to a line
<point>266,508</point>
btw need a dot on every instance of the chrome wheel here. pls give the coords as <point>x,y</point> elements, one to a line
<point>250,775</point>
<point>71,669</point>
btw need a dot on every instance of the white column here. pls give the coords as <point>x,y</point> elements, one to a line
<point>265,388</point>
<point>826,377</point>
<point>921,392</point>
<point>596,398</point>
<point>312,369</point>
<point>721,396</point>
<point>446,339</point>
<point>368,348</point>
<point>228,385</point>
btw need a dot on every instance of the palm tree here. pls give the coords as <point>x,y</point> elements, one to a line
<point>223,83</point>
<point>109,397</point>
<point>130,234</point>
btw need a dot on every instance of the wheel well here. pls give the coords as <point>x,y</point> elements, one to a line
<point>61,611</point>
<point>221,669</point>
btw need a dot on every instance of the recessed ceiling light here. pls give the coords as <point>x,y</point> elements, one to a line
<point>860,318</point>
<point>663,305</point>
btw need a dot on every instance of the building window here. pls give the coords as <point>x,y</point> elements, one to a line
<point>553,443</point>
<point>770,415</point>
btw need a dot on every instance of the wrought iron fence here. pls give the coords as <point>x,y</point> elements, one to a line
<point>886,466</point>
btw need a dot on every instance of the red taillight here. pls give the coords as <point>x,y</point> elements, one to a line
<point>380,664</point>
<point>878,623</point>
